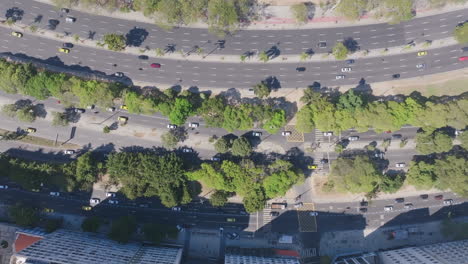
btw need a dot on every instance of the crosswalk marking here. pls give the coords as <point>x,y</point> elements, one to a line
<point>308,252</point>
<point>267,219</point>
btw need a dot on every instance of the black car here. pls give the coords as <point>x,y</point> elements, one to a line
<point>273,213</point>
<point>65,10</point>
<point>363,210</point>
<point>301,69</point>
<point>322,44</point>
<point>143,57</point>
<point>350,61</point>
<point>400,200</point>
<point>53,23</point>
<point>396,76</point>
<point>397,136</point>
<point>324,161</point>
<point>67,45</point>
<point>364,203</point>
<point>424,196</point>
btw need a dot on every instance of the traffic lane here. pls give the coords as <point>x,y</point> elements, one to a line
<point>371,135</point>
<point>224,74</point>
<point>366,36</point>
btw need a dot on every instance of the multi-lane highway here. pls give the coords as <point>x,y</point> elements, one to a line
<point>288,41</point>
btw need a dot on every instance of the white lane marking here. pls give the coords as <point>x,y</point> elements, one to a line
<point>407,25</point>
<point>386,68</point>
<point>404,72</point>
<point>195,73</point>
<point>304,42</point>
<point>443,26</point>
<point>104,22</point>
<point>86,26</point>
<point>390,28</point>
<point>390,35</point>
<point>424,23</point>
<point>373,37</point>
<point>375,43</point>
<point>459,16</point>
<point>392,40</point>
<point>442,19</point>
<point>301,36</point>
<point>255,36</point>
<point>403,66</point>
<point>453,51</point>
<point>322,34</point>
<point>402,59</point>
<point>7,47</point>
<point>373,30</point>
<point>444,32</point>
<point>35,7</point>
<point>186,33</point>
<point>86,18</point>
<point>237,43</point>
<point>357,38</point>
<point>369,70</point>
<point>339,33</point>
<point>356,32</point>
<point>436,60</point>
<point>436,54</point>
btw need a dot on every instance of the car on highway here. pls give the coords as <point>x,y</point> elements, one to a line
<point>110,194</point>
<point>420,66</point>
<point>424,196</point>
<point>94,200</point>
<point>286,133</point>
<point>256,134</point>
<point>408,206</point>
<point>64,50</point>
<point>79,110</point>
<point>70,19</point>
<point>193,125</point>
<point>232,235</point>
<point>400,200</point>
<point>324,161</point>
<point>400,165</point>
<point>388,208</point>
<point>346,69</point>
<point>4,186</point>
<point>86,208</point>
<point>422,53</point>
<point>143,57</point>
<point>230,220</point>
<point>322,44</point>
<point>53,23</point>
<point>464,58</point>
<point>353,138</point>
<point>448,202</point>
<point>48,210</point>
<point>31,130</point>
<point>69,151</point>
<point>67,45</point>
<point>339,77</point>
<point>300,69</point>
<point>124,107</point>
<point>171,126</point>
<point>187,150</point>
<point>54,194</point>
<point>119,74</point>
<point>176,208</point>
<point>313,213</point>
<point>113,201</point>
<point>17,34</point>
<point>111,109</point>
<point>350,61</point>
<point>35,190</point>
<point>274,213</point>
<point>439,197</point>
<point>396,76</point>
<point>155,65</point>
<point>312,167</point>
<point>298,205</point>
<point>363,210</point>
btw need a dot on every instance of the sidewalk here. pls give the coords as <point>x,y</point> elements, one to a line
<point>237,58</point>
<point>277,17</point>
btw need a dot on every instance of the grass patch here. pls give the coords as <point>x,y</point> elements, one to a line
<point>456,86</point>
<point>33,140</point>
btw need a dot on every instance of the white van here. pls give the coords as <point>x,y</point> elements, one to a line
<point>69,19</point>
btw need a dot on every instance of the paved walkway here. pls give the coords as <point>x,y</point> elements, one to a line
<point>278,17</point>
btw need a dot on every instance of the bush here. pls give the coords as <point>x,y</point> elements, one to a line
<point>115,42</point>
<point>461,33</point>
<point>261,90</point>
<point>122,229</point>
<point>340,51</point>
<point>241,147</point>
<point>53,224</point>
<point>23,215</point>
<point>59,119</point>
<point>300,12</point>
<point>26,114</point>
<point>106,130</point>
<point>219,198</point>
<point>222,145</point>
<point>9,110</point>
<point>169,140</point>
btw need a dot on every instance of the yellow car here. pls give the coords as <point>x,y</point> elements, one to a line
<point>31,130</point>
<point>422,53</point>
<point>86,207</point>
<point>17,34</point>
<point>64,50</point>
<point>123,119</point>
<point>312,167</point>
<point>48,210</point>
<point>231,220</point>
<point>124,107</point>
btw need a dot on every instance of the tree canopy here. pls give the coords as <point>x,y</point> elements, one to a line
<point>115,42</point>
<point>355,175</point>
<point>241,147</point>
<point>122,229</point>
<point>435,142</point>
<point>340,51</point>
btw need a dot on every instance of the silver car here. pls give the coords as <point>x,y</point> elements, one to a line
<point>346,69</point>
<point>339,77</point>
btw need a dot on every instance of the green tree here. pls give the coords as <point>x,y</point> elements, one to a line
<point>106,129</point>
<point>115,42</point>
<point>212,111</point>
<point>241,147</point>
<point>263,56</point>
<point>282,178</point>
<point>300,12</point>
<point>464,140</point>
<point>222,145</point>
<point>26,114</point>
<point>87,170</point>
<point>436,142</point>
<point>421,175</point>
<point>169,139</point>
<point>255,201</point>
<point>59,119</point>
<point>399,10</point>
<point>219,198</point>
<point>305,122</point>
<point>261,90</point>
<point>452,173</point>
<point>340,51</point>
<point>23,215</point>
<point>391,183</point>
<point>91,224</point>
<point>222,16</point>
<point>9,110</point>
<point>122,229</point>
<point>355,175</point>
<point>351,9</point>
<point>461,33</point>
<point>181,110</point>
<point>237,117</point>
<point>276,122</point>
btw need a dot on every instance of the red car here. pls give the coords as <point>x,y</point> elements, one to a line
<point>465,58</point>
<point>155,65</point>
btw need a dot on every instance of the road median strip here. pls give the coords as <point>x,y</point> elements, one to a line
<point>34,140</point>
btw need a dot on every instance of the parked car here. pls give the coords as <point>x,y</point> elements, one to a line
<point>422,53</point>
<point>119,74</point>
<point>256,134</point>
<point>388,208</point>
<point>313,213</point>
<point>69,152</point>
<point>17,34</point>
<point>86,208</point>
<point>4,186</point>
<point>397,136</point>
<point>400,200</point>
<point>65,10</point>
<point>79,110</point>
<point>286,133</point>
<point>364,203</point>
<point>328,134</point>
<point>420,66</point>
<point>324,161</point>
<point>339,77</point>
<point>171,126</point>
<point>110,194</point>
<point>396,76</point>
<point>94,200</point>
<point>143,57</point>
<point>48,210</point>
<point>424,196</point>
<point>230,220</point>
<point>400,165</point>
<point>193,125</point>
<point>187,150</point>
<point>439,197</point>
<point>70,19</point>
<point>155,65</point>
<point>300,69</point>
<point>143,205</point>
<point>232,235</point>
<point>124,107</point>
<point>54,194</point>
<point>350,61</point>
<point>64,50</point>
<point>322,44</point>
<point>111,109</point>
<point>312,167</point>
<point>353,138</point>
<point>176,208</point>
<point>274,213</point>
<point>363,210</point>
<point>215,158</point>
<point>408,206</point>
<point>448,202</point>
<point>31,130</point>
<point>346,69</point>
<point>464,58</point>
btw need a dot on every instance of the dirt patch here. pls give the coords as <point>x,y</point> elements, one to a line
<point>138,134</point>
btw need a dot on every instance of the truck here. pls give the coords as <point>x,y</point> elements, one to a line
<point>281,206</point>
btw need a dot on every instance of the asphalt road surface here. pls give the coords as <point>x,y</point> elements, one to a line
<point>287,41</point>
<point>228,75</point>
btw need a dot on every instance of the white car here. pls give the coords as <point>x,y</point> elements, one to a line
<point>420,66</point>
<point>193,125</point>
<point>113,202</point>
<point>256,134</point>
<point>4,187</point>
<point>458,132</point>
<point>119,74</point>
<point>339,77</point>
<point>70,19</point>
<point>400,165</point>
<point>353,138</point>
<point>215,158</point>
<point>286,133</point>
<point>110,194</point>
<point>313,213</point>
<point>171,126</point>
<point>448,202</point>
<point>328,134</point>
<point>388,208</point>
<point>177,209</point>
<point>111,109</point>
<point>69,152</point>
<point>94,200</point>
<point>54,194</point>
<point>346,69</point>
<point>187,150</point>
<point>79,110</point>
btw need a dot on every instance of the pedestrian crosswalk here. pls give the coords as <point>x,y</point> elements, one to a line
<point>318,136</point>
<point>267,219</point>
<point>308,252</point>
